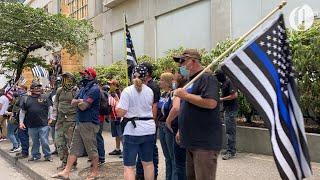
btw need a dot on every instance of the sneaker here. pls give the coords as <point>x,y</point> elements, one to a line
<point>13,150</point>
<point>115,152</point>
<point>228,156</point>
<point>3,139</point>
<point>49,159</point>
<point>101,163</point>
<point>34,159</point>
<point>21,156</point>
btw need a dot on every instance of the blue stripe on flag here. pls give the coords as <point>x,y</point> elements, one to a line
<point>40,71</point>
<point>283,109</point>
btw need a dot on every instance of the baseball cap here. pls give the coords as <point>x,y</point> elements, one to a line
<point>148,66</point>
<point>188,53</point>
<point>89,70</point>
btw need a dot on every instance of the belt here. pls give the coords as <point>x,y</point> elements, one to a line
<point>125,121</point>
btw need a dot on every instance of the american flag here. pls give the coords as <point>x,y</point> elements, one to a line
<point>262,69</point>
<point>23,80</point>
<point>8,91</point>
<point>39,71</point>
<point>131,55</point>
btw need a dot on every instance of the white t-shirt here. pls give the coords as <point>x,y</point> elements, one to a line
<point>5,104</point>
<point>138,105</point>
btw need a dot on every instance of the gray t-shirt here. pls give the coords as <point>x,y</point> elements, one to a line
<point>201,128</point>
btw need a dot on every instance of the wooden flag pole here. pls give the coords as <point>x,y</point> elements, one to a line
<point>280,6</point>
<point>125,48</point>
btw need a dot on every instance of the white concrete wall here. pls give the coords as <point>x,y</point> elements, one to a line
<point>189,27</point>
<point>246,13</point>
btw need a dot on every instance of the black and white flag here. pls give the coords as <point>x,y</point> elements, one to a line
<point>262,69</point>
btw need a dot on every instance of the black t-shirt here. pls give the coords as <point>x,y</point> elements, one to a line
<point>36,110</point>
<point>201,128</point>
<point>228,89</point>
<point>156,90</point>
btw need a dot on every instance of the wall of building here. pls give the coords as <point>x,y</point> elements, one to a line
<point>158,25</point>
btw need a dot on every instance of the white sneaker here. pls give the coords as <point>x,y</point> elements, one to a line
<point>15,150</point>
<point>3,139</point>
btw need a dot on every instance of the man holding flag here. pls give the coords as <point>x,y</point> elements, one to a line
<point>200,128</point>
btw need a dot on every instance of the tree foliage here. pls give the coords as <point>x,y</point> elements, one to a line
<point>24,29</point>
<point>306,57</point>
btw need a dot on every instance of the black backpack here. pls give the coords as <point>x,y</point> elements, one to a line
<point>104,108</point>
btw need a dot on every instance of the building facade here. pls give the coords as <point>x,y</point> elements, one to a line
<point>159,25</point>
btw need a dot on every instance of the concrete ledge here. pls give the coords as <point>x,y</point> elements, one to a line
<point>257,140</point>
<point>20,165</point>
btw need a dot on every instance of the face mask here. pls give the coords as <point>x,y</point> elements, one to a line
<point>174,85</point>
<point>184,71</point>
<point>84,81</point>
<point>67,83</point>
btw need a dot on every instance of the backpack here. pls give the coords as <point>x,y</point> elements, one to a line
<point>104,108</point>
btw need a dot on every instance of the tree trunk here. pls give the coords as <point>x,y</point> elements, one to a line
<point>22,59</point>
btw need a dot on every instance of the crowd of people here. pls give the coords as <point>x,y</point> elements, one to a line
<point>186,121</point>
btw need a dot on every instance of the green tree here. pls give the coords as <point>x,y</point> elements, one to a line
<point>306,57</point>
<point>24,29</point>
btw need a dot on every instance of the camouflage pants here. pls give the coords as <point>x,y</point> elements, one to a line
<point>63,135</point>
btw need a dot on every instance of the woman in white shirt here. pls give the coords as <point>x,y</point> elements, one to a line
<point>135,106</point>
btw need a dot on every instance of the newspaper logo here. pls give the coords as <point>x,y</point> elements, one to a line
<point>301,18</point>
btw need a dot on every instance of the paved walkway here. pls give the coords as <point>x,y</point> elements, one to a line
<point>245,166</point>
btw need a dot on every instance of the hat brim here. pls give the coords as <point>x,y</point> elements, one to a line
<point>178,59</point>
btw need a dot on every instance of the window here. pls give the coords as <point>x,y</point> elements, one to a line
<point>78,8</point>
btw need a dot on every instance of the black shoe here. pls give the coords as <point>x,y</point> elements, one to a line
<point>34,159</point>
<point>21,156</point>
<point>49,159</point>
<point>115,152</point>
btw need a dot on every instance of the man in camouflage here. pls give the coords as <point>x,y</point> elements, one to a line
<point>65,116</point>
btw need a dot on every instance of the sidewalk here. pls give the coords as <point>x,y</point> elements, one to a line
<point>245,166</point>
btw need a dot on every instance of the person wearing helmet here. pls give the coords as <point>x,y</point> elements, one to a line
<point>138,125</point>
<point>35,113</point>
<point>64,114</point>
<point>87,102</point>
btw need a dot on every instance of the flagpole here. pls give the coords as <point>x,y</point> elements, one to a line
<point>125,48</point>
<point>280,6</point>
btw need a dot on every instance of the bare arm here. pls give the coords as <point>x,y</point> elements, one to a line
<point>230,97</point>
<point>120,112</point>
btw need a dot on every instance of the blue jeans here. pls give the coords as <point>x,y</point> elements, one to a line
<point>139,167</point>
<point>24,139</point>
<point>100,143</point>
<point>40,135</point>
<point>167,140</point>
<point>137,145</point>
<point>230,121</point>
<point>12,135</point>
<point>180,161</point>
